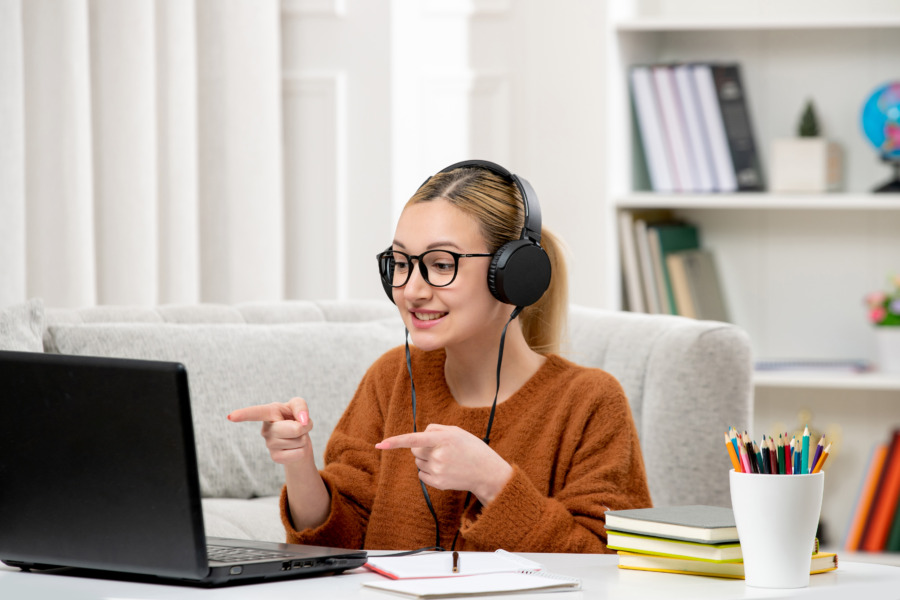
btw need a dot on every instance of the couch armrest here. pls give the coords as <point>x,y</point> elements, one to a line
<point>687,381</point>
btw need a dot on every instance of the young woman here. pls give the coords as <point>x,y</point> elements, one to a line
<point>443,444</point>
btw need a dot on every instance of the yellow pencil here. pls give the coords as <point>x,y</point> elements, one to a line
<point>822,458</point>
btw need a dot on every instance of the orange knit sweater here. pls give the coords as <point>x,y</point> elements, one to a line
<point>568,433</point>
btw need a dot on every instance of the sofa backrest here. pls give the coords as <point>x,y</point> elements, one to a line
<point>687,381</point>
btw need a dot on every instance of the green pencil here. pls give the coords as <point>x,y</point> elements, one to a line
<point>804,458</point>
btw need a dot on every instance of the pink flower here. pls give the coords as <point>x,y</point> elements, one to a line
<point>875,299</point>
<point>877,314</point>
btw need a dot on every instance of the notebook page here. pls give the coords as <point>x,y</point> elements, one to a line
<point>440,564</point>
<point>495,583</point>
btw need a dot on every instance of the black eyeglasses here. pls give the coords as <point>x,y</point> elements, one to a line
<point>438,267</point>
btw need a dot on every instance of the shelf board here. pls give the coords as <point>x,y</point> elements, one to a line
<point>824,380</point>
<point>757,23</point>
<point>761,201</point>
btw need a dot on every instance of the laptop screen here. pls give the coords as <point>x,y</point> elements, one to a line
<point>97,465</point>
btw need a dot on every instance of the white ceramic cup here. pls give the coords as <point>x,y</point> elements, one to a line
<point>776,517</point>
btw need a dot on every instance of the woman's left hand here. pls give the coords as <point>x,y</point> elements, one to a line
<point>450,458</point>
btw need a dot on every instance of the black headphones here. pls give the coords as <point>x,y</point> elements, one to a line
<point>519,273</point>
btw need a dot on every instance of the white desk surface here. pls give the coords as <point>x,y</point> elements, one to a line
<point>601,578</point>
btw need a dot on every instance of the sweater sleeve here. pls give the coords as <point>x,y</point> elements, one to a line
<point>606,472</point>
<point>351,467</point>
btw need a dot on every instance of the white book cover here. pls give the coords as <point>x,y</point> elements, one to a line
<point>715,128</point>
<point>631,271</point>
<point>645,258</point>
<point>651,129</point>
<point>696,132</point>
<point>673,122</point>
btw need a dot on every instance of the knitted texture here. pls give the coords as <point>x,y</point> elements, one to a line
<point>568,433</point>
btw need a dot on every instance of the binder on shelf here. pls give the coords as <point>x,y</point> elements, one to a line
<point>650,127</point>
<point>683,161</point>
<point>697,136</point>
<point>727,119</point>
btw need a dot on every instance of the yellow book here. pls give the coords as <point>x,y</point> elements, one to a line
<point>819,563</point>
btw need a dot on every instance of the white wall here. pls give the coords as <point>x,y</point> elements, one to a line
<point>229,150</point>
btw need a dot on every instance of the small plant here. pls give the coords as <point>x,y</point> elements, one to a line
<point>884,307</point>
<point>809,122</point>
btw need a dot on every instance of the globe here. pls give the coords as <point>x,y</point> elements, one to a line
<point>881,124</point>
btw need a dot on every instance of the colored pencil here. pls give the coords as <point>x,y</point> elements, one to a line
<point>751,455</point>
<point>789,456</point>
<point>760,459</point>
<point>804,458</point>
<point>745,460</point>
<point>822,457</point>
<point>773,457</point>
<point>780,455</point>
<point>732,432</point>
<point>734,460</point>
<point>815,458</point>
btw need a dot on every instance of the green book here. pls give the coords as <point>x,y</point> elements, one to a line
<point>693,523</point>
<point>673,237</point>
<point>893,541</point>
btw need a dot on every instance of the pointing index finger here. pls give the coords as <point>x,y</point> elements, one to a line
<point>408,440</point>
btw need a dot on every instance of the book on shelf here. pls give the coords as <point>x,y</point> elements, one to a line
<point>650,128</point>
<point>645,544</point>
<point>820,562</point>
<point>698,139</point>
<point>726,119</point>
<point>683,162</point>
<point>691,523</point>
<point>632,272</point>
<point>883,510</point>
<point>696,286</point>
<point>667,237</point>
<point>652,294</point>
<point>694,126</point>
<point>864,497</point>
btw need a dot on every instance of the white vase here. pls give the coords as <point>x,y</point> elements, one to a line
<point>888,341</point>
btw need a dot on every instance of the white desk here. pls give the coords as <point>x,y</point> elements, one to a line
<point>601,578</point>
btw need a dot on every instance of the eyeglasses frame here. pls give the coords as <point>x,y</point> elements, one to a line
<point>423,270</point>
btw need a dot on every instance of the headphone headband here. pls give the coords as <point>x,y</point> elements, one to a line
<point>519,272</point>
<point>532,209</point>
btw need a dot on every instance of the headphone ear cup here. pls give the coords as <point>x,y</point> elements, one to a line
<point>382,275</point>
<point>519,273</point>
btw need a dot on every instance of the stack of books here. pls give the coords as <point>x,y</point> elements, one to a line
<point>695,128</point>
<point>875,524</point>
<point>665,269</point>
<point>692,540</point>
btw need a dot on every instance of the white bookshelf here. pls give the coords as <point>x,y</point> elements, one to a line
<point>794,267</point>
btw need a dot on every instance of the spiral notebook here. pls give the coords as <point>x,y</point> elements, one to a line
<point>478,585</point>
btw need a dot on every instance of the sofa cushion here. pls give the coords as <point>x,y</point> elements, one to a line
<point>235,365</point>
<point>21,326</point>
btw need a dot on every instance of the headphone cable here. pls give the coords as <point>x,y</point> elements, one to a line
<point>487,434</point>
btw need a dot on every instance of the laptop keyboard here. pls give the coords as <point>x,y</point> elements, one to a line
<point>230,554</point>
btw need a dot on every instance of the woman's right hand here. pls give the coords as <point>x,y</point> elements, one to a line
<point>285,427</point>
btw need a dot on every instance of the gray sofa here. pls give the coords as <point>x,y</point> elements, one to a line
<point>686,380</point>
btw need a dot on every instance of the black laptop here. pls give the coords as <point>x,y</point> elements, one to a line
<point>98,470</point>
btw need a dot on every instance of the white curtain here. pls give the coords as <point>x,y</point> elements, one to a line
<point>141,155</point>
